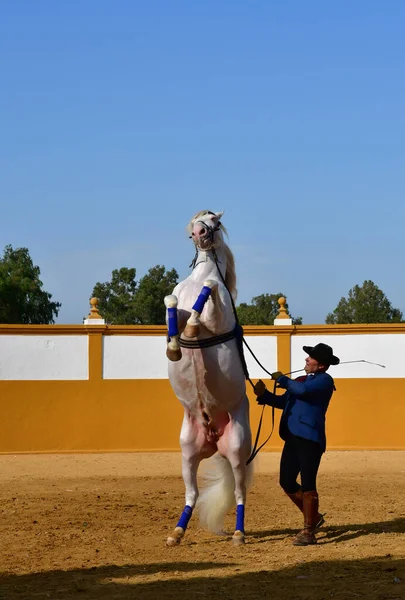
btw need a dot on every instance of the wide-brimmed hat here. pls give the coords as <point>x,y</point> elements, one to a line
<point>322,353</point>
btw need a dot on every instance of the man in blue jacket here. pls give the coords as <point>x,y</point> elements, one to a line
<point>302,427</point>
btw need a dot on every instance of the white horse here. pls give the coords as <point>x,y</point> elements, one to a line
<point>207,376</point>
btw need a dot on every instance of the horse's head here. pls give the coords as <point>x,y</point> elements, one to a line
<point>205,229</point>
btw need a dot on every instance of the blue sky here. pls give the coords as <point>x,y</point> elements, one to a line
<point>120,120</point>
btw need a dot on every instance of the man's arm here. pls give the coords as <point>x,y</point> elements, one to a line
<point>266,397</point>
<point>310,389</point>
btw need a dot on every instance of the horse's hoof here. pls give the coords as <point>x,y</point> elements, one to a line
<point>238,538</point>
<point>171,541</point>
<point>211,283</point>
<point>173,355</point>
<point>191,331</point>
<point>170,301</point>
<point>175,539</point>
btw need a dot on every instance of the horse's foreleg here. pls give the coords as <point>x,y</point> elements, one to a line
<point>192,328</point>
<point>173,350</point>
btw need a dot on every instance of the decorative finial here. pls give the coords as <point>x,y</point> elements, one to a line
<point>282,311</point>
<point>94,314</point>
<point>94,317</point>
<point>283,318</point>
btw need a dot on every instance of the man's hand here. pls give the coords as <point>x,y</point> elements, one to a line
<point>276,374</point>
<point>259,388</point>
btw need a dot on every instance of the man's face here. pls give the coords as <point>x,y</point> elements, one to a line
<point>312,365</point>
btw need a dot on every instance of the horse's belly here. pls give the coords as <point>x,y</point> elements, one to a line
<point>211,378</point>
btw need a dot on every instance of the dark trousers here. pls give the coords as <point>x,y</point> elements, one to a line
<point>299,456</point>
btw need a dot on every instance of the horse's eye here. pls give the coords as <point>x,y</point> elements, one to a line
<point>219,223</point>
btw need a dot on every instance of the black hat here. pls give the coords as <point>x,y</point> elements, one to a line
<point>322,353</point>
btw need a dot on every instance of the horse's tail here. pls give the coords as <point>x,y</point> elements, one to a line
<point>218,496</point>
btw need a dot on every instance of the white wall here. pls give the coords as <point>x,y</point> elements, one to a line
<point>386,349</point>
<point>134,357</point>
<point>265,349</point>
<point>65,357</point>
<point>144,357</point>
<point>42,357</point>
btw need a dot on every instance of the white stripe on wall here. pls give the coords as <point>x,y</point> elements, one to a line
<point>41,357</point>
<point>134,357</point>
<point>144,357</point>
<point>265,349</point>
<point>386,349</point>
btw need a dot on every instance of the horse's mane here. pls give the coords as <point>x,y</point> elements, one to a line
<point>230,276</point>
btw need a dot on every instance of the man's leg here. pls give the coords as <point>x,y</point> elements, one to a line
<point>289,469</point>
<point>310,455</point>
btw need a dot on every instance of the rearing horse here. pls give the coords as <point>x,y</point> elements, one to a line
<point>207,376</point>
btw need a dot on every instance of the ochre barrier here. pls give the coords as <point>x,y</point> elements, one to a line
<point>106,388</point>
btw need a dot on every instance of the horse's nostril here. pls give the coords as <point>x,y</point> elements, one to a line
<point>202,231</point>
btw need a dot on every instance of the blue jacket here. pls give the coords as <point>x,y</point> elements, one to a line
<point>304,406</point>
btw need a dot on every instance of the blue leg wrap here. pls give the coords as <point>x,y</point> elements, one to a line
<point>202,299</point>
<point>172,322</point>
<point>185,517</point>
<point>240,518</point>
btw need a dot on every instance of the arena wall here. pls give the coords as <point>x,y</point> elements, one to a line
<point>97,388</point>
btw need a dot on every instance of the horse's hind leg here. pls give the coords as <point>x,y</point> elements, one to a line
<point>173,350</point>
<point>235,445</point>
<point>192,328</point>
<point>241,474</point>
<point>194,449</point>
<point>189,471</point>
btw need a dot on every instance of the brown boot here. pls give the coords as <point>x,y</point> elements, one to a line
<point>298,499</point>
<point>306,537</point>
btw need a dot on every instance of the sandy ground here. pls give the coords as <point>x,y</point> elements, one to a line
<point>94,527</point>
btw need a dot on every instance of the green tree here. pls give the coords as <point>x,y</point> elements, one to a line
<point>117,297</point>
<point>365,304</point>
<point>262,311</point>
<point>124,301</point>
<point>22,299</point>
<point>152,289</point>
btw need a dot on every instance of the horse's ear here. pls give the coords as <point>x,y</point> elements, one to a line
<point>219,214</point>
